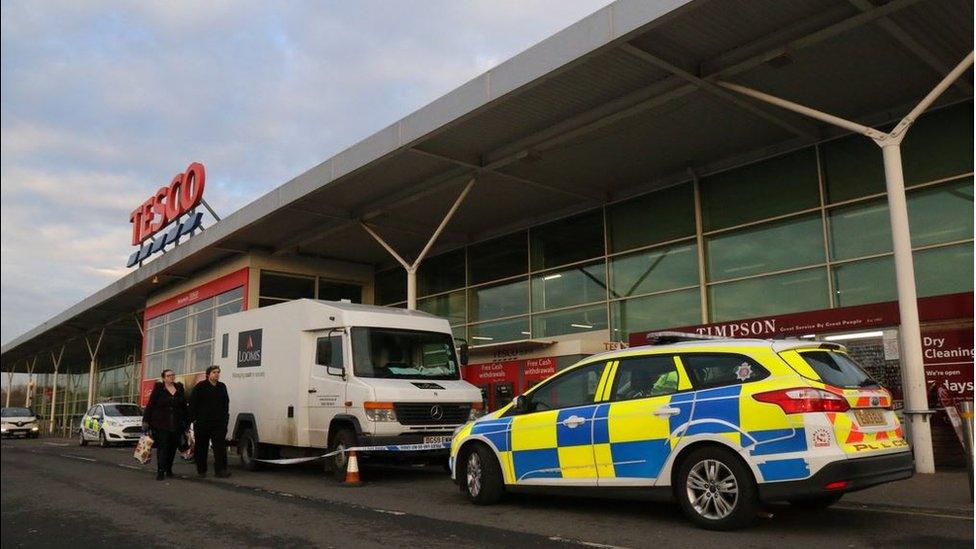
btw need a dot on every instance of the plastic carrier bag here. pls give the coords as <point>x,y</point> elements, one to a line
<point>143,451</point>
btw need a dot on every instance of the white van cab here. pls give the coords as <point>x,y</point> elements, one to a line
<point>19,421</point>
<point>306,376</point>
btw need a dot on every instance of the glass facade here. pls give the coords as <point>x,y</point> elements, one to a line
<point>805,230</point>
<point>279,287</point>
<point>182,340</point>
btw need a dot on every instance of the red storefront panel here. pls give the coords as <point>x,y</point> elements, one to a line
<point>236,279</point>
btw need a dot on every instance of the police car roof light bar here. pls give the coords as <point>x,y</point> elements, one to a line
<point>665,337</point>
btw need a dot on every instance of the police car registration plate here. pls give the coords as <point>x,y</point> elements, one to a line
<point>870,417</point>
<point>437,439</point>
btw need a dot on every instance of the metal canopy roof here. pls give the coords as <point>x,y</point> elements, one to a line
<point>620,103</point>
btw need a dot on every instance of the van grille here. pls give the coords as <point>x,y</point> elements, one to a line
<point>426,413</point>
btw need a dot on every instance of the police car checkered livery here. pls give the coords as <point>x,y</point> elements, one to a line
<point>718,425</point>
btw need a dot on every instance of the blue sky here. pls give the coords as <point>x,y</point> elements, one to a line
<point>103,102</point>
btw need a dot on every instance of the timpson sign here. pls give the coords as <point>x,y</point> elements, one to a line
<point>861,317</point>
<point>171,206</point>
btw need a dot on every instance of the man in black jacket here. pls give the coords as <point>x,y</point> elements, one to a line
<point>209,412</point>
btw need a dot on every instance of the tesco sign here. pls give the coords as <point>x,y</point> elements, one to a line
<point>166,206</point>
<point>168,203</point>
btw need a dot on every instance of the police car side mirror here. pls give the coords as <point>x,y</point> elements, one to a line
<point>520,404</point>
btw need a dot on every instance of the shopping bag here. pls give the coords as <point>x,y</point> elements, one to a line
<point>143,451</point>
<point>186,445</point>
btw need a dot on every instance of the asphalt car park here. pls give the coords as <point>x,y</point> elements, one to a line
<point>52,487</point>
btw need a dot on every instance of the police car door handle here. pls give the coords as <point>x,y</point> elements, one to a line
<point>665,411</point>
<point>574,421</point>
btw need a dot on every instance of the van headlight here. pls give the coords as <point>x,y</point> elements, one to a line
<point>477,410</point>
<point>379,411</point>
<point>34,428</point>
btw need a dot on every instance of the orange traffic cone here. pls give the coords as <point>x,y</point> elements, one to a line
<point>352,470</point>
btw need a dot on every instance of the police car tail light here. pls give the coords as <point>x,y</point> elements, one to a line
<point>803,400</point>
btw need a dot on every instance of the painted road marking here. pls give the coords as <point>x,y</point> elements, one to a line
<point>56,443</point>
<point>77,457</point>
<point>918,513</point>
<point>388,512</point>
<point>585,543</point>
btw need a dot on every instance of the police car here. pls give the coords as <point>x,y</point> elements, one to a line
<point>111,423</point>
<point>18,421</point>
<point>718,425</point>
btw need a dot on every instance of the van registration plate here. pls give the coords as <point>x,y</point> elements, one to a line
<point>870,417</point>
<point>437,439</point>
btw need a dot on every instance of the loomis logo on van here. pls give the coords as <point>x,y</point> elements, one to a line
<point>249,348</point>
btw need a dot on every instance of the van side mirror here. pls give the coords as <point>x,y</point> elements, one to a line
<point>463,354</point>
<point>335,370</point>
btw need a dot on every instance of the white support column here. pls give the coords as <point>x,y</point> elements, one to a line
<point>29,394</point>
<point>411,268</point>
<point>912,366</point>
<point>93,353</point>
<point>54,389</point>
<point>10,383</point>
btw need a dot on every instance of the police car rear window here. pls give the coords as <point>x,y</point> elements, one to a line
<point>717,370</point>
<point>837,369</point>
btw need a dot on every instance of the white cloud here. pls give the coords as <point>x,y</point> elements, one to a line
<point>103,102</point>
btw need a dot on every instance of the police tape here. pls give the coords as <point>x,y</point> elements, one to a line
<point>386,448</point>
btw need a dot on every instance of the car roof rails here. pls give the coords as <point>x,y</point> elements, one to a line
<point>666,338</point>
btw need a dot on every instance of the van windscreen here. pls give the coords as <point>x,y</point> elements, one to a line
<point>403,354</point>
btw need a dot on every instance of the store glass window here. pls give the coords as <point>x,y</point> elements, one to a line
<point>769,295</point>
<point>941,214</point>
<point>852,168</point>
<point>569,321</point>
<point>778,186</point>
<point>859,229</point>
<point>451,306</point>
<point>285,287</point>
<point>945,270</point>
<point>868,281</point>
<point>391,286</point>
<point>654,270</point>
<point>567,240</point>
<point>441,273</point>
<point>182,340</point>
<point>509,298</point>
<point>500,331</point>
<point>330,290</point>
<point>939,145</point>
<point>640,314</point>
<point>499,258</point>
<point>785,244</point>
<point>567,287</point>
<point>661,216</point>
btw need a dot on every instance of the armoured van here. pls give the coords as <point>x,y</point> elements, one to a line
<point>306,377</point>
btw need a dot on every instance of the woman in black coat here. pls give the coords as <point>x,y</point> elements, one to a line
<point>166,416</point>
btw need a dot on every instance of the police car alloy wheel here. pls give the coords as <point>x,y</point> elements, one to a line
<point>102,441</point>
<point>716,489</point>
<point>81,438</point>
<point>481,477</point>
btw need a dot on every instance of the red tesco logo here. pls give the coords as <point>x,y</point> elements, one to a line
<point>168,203</point>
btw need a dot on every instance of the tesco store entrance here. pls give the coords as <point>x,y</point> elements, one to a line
<point>871,335</point>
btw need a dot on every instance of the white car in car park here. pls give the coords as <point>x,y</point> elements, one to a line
<point>19,421</point>
<point>111,423</point>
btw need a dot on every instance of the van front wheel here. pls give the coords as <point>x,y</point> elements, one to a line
<point>343,439</point>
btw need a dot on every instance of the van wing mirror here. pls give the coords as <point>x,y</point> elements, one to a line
<point>335,370</point>
<point>463,354</point>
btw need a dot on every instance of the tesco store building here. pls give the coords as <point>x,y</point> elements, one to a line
<point>603,184</point>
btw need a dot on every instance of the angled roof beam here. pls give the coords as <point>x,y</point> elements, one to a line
<point>913,46</point>
<point>797,127</point>
<point>675,87</point>
<point>482,169</point>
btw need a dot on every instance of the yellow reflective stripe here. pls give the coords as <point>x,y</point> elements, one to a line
<point>603,381</point>
<point>684,382</point>
<point>612,373</point>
